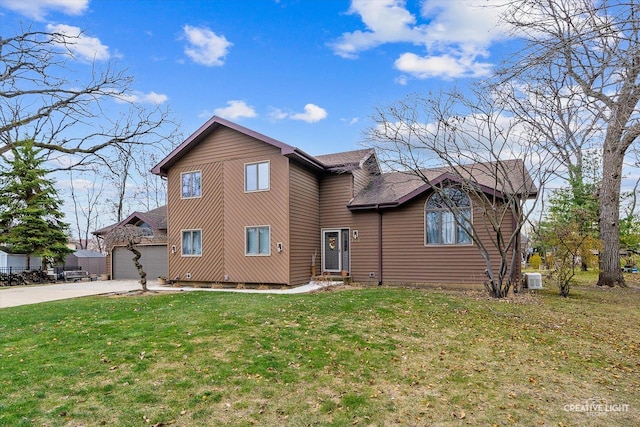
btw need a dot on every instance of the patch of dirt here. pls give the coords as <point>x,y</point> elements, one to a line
<point>138,293</point>
<point>522,297</point>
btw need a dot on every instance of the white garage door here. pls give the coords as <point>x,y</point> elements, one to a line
<point>153,260</point>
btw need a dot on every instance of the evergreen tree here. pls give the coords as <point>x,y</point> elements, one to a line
<point>30,217</point>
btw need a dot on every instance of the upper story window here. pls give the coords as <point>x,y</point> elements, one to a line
<point>441,227</point>
<point>256,176</point>
<point>191,184</point>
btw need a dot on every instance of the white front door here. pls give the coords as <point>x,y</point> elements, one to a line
<point>335,250</point>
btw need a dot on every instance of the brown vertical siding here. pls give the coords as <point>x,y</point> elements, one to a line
<point>204,213</point>
<point>256,209</point>
<point>304,226</point>
<point>225,144</point>
<point>225,209</point>
<point>335,193</point>
<point>361,179</point>
<point>364,250</point>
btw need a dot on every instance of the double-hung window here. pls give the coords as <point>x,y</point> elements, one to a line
<point>256,177</point>
<point>448,218</point>
<point>191,242</point>
<point>258,240</point>
<point>191,184</point>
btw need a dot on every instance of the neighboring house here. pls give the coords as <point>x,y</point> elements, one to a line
<point>246,208</point>
<point>14,261</point>
<point>153,246</point>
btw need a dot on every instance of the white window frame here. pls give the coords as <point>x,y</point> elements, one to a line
<point>455,224</point>
<point>246,240</point>
<point>190,196</point>
<point>257,175</point>
<point>182,232</point>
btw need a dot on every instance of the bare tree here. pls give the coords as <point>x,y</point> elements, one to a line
<point>564,120</point>
<point>595,48</point>
<point>152,192</point>
<point>119,174</point>
<point>86,210</point>
<point>40,97</point>
<point>483,153</point>
<point>129,236</point>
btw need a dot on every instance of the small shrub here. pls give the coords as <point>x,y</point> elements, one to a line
<point>535,261</point>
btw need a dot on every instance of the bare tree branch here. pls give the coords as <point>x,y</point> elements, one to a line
<point>591,49</point>
<point>483,152</point>
<point>41,98</point>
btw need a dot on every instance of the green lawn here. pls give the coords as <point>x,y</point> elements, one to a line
<point>352,357</point>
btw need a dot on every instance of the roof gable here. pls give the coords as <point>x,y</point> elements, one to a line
<point>214,123</point>
<point>156,218</point>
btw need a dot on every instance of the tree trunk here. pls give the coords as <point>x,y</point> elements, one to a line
<point>136,261</point>
<point>609,221</point>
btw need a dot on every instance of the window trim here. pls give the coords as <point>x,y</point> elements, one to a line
<point>182,196</point>
<point>246,240</point>
<point>190,230</point>
<point>257,165</point>
<point>457,227</point>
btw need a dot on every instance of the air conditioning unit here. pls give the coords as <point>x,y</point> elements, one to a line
<point>533,280</point>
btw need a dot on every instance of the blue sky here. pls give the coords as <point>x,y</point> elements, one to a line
<point>307,72</point>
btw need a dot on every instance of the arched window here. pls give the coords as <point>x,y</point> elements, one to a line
<point>441,227</point>
<point>146,229</point>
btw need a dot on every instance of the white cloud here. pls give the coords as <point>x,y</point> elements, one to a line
<point>235,110</point>
<point>351,121</point>
<point>277,114</point>
<point>82,46</point>
<point>472,25</point>
<point>445,66</point>
<point>37,9</point>
<point>143,98</point>
<point>454,36</point>
<point>387,21</point>
<point>312,113</point>
<point>205,47</point>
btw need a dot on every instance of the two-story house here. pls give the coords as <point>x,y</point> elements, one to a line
<point>245,208</point>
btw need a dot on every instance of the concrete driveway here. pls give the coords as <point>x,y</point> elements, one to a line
<point>24,295</point>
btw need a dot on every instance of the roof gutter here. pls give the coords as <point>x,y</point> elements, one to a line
<point>376,206</point>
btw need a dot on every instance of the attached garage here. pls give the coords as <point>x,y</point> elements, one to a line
<point>153,260</point>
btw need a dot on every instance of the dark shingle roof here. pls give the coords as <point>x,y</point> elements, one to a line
<point>156,218</point>
<point>395,188</point>
<point>347,158</point>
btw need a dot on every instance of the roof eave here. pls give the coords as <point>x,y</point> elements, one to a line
<point>302,157</point>
<point>212,124</point>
